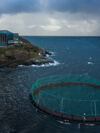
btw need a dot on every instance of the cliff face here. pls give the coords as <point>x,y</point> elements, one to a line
<point>23,53</point>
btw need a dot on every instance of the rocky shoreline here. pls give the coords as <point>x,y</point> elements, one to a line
<point>23,53</point>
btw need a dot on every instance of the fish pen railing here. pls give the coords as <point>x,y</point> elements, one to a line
<point>71,97</point>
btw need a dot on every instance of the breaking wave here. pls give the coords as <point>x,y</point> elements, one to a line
<point>56,63</point>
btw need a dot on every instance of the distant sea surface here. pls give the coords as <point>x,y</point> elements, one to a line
<point>74,55</point>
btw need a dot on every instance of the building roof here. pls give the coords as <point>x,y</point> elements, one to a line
<point>8,32</point>
<point>5,32</point>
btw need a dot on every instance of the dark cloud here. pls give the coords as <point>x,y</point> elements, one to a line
<point>73,6</point>
<point>88,6</point>
<point>16,6</point>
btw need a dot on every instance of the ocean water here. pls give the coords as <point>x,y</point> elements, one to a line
<point>75,55</point>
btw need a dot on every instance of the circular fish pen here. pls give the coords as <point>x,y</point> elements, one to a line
<point>70,97</point>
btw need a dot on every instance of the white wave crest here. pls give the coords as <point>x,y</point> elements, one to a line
<point>90,63</point>
<point>56,63</point>
<point>64,122</point>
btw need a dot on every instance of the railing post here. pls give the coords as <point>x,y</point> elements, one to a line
<point>61,108</point>
<point>95,108</point>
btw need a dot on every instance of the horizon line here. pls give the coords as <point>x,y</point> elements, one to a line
<point>60,36</point>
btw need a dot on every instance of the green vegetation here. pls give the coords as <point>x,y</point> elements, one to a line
<point>22,53</point>
<point>25,45</point>
<point>2,50</point>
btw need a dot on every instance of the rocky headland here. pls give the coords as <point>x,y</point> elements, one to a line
<point>23,53</point>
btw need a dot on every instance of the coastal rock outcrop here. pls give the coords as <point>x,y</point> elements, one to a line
<point>23,53</point>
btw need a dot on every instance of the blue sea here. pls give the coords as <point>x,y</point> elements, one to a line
<point>71,55</point>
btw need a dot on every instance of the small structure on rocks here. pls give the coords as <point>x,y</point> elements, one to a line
<point>8,38</point>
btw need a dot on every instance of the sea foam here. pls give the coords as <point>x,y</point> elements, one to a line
<point>56,63</point>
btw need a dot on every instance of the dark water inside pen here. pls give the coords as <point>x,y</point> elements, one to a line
<point>75,55</point>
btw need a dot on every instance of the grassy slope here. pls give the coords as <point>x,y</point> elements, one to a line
<point>25,46</point>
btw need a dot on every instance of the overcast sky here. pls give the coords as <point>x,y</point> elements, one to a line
<point>51,17</point>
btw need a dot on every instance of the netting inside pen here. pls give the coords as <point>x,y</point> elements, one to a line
<point>75,95</point>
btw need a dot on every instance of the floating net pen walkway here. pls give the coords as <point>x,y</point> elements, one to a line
<point>73,97</point>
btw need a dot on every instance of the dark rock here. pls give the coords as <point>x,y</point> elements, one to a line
<point>38,62</point>
<point>45,52</point>
<point>48,53</point>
